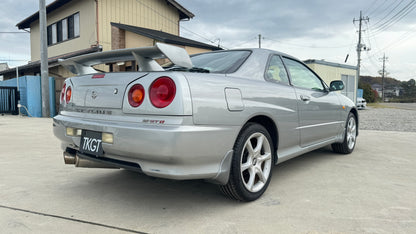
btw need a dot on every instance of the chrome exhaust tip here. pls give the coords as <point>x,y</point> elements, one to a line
<point>74,159</point>
<point>69,158</point>
<point>81,162</point>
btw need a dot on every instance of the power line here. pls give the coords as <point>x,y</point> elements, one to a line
<point>14,60</point>
<point>389,11</point>
<point>13,32</point>
<point>375,9</point>
<point>400,39</point>
<point>397,17</point>
<point>157,12</point>
<point>309,46</point>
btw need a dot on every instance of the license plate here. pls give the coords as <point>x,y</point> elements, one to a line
<point>91,143</point>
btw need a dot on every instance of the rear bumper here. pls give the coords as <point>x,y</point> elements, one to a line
<point>169,151</point>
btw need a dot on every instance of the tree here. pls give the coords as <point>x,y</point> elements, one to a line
<point>368,93</point>
<point>409,89</point>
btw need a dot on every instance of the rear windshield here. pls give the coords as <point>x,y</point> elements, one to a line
<point>220,62</point>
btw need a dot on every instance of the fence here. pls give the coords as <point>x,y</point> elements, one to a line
<point>9,97</point>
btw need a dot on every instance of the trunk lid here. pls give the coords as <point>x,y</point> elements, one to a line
<point>102,90</point>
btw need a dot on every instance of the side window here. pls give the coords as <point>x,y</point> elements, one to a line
<point>302,77</point>
<point>275,71</point>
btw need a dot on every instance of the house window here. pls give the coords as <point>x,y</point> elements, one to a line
<point>63,30</point>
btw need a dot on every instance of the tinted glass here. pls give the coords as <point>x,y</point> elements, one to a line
<point>275,71</point>
<point>301,76</point>
<point>220,62</point>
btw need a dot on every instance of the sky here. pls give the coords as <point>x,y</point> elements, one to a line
<point>315,29</point>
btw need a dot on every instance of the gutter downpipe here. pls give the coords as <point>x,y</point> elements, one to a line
<point>96,19</point>
<point>18,90</point>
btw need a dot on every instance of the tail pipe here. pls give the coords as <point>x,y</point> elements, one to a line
<point>74,159</point>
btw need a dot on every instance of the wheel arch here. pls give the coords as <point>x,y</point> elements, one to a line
<point>355,112</point>
<point>271,127</point>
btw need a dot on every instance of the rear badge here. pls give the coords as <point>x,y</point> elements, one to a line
<point>115,91</point>
<point>94,95</point>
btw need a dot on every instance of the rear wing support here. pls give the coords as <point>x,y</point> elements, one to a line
<point>144,56</point>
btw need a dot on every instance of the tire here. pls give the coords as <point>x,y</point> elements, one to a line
<point>350,137</point>
<point>252,162</point>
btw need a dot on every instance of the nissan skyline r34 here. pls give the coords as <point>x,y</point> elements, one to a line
<point>226,117</point>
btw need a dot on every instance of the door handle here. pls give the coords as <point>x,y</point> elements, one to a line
<point>305,98</point>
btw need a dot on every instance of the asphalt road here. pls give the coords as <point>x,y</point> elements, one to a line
<point>372,190</point>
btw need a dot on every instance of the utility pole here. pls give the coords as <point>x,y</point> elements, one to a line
<point>383,74</point>
<point>259,40</point>
<point>44,80</point>
<point>359,45</point>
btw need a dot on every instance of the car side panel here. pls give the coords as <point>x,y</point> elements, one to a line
<point>259,98</point>
<point>320,116</point>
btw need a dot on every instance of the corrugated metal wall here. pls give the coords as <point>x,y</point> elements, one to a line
<point>31,95</point>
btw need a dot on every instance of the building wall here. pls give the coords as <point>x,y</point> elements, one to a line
<point>134,40</point>
<point>153,14</point>
<point>330,73</point>
<point>88,34</point>
<point>30,94</point>
<point>193,50</point>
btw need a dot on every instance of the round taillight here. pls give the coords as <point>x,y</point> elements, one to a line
<point>68,94</point>
<point>162,92</point>
<point>136,95</point>
<point>63,93</point>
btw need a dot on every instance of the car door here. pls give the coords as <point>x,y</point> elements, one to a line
<point>284,100</point>
<point>319,109</point>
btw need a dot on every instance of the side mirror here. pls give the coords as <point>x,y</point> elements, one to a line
<point>336,85</point>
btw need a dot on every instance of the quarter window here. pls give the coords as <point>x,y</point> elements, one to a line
<point>302,77</point>
<point>275,71</point>
<point>63,30</point>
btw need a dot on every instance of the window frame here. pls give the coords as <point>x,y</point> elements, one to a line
<point>289,83</point>
<point>323,84</point>
<point>64,30</point>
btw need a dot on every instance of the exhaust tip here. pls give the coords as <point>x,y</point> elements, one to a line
<point>69,158</point>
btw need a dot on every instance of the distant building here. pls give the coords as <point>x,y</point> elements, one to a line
<point>77,27</point>
<point>4,66</point>
<point>389,91</point>
<point>329,71</point>
<point>378,89</point>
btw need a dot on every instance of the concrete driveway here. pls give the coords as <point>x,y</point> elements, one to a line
<point>372,190</point>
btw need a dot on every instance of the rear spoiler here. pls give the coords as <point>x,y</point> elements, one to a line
<point>144,56</point>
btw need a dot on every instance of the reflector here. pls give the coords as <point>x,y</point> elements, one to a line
<point>63,93</point>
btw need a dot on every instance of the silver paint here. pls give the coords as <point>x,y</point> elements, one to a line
<point>193,137</point>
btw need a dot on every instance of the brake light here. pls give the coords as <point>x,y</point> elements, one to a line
<point>63,93</point>
<point>162,92</point>
<point>98,76</point>
<point>68,94</point>
<point>136,95</point>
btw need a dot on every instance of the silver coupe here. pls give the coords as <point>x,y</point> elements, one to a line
<point>227,116</point>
